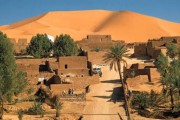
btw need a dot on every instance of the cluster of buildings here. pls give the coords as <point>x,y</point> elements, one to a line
<point>75,72</point>
<point>60,74</point>
<point>155,46</point>
<point>139,74</point>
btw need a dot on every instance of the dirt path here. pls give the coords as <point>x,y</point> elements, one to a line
<point>104,102</point>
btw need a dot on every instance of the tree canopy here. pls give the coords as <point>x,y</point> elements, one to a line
<point>172,50</point>
<point>64,45</point>
<point>11,82</point>
<point>40,46</point>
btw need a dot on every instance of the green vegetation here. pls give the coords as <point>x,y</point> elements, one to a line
<point>36,109</point>
<point>64,45</point>
<point>115,57</point>
<point>170,96</point>
<point>142,100</point>
<point>58,107</point>
<point>40,46</point>
<point>172,50</point>
<point>97,49</point>
<point>20,114</point>
<point>162,66</point>
<point>30,90</point>
<point>170,73</point>
<point>11,82</point>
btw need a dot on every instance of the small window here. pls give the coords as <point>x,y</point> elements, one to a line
<point>66,66</point>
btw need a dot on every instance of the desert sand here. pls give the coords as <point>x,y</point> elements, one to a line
<point>122,25</point>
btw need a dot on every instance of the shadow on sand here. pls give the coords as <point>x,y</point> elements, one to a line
<point>116,96</point>
<point>116,81</point>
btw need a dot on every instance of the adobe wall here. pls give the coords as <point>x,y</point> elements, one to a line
<point>154,75</point>
<point>138,80</point>
<point>73,62</point>
<point>74,72</point>
<point>128,73</point>
<point>98,38</point>
<point>142,69</point>
<point>33,78</point>
<point>154,46</point>
<point>78,83</point>
<point>140,50</point>
<point>170,39</point>
<point>21,44</point>
<point>31,68</point>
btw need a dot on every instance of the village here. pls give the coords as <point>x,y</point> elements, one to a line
<point>85,85</point>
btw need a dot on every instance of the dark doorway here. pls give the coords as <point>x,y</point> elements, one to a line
<point>66,66</point>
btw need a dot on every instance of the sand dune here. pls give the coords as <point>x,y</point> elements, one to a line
<point>122,25</point>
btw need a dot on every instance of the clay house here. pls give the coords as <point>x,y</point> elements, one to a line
<point>75,73</point>
<point>60,74</point>
<point>91,42</point>
<point>155,46</point>
<point>19,45</point>
<point>142,77</point>
<point>74,66</point>
<point>138,69</point>
<point>35,68</point>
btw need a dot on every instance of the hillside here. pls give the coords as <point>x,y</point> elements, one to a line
<point>122,25</point>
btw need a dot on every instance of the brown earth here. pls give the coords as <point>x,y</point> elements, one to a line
<point>122,25</point>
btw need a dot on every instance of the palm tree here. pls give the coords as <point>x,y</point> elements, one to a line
<point>115,57</point>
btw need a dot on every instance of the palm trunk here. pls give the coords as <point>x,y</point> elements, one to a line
<point>172,100</point>
<point>123,86</point>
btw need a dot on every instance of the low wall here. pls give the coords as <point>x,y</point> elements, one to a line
<point>154,75</point>
<point>74,72</point>
<point>77,83</point>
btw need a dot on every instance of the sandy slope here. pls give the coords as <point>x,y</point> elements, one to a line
<point>122,25</point>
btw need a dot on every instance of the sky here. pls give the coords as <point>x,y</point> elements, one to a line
<point>16,10</point>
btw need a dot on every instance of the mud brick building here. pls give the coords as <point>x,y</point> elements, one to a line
<point>20,45</point>
<point>138,69</point>
<point>74,66</point>
<point>97,41</point>
<point>61,73</point>
<point>155,46</point>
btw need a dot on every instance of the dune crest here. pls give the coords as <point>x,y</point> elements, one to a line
<point>122,25</point>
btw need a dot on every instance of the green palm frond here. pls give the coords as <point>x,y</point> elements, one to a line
<point>114,55</point>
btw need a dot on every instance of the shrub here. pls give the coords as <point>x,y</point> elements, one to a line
<point>142,100</point>
<point>97,49</point>
<point>20,114</point>
<point>177,107</point>
<point>30,90</point>
<point>40,46</point>
<point>64,45</point>
<point>36,109</point>
<point>57,106</point>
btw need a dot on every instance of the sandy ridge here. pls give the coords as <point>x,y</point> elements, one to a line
<point>122,25</point>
